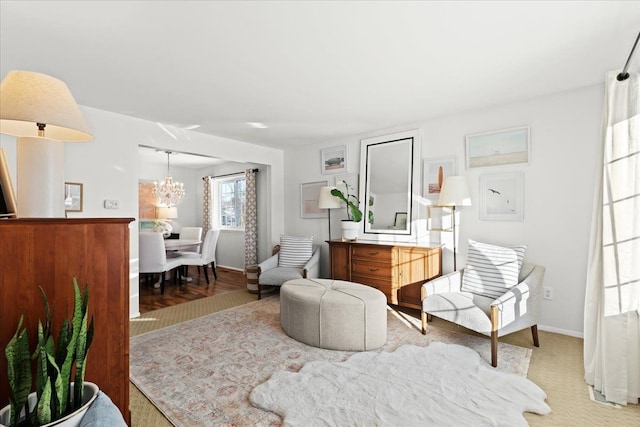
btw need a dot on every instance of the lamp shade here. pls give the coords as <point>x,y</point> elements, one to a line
<point>326,200</point>
<point>28,98</point>
<point>455,192</point>
<point>168,213</point>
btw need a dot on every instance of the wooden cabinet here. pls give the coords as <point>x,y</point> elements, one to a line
<point>397,270</point>
<point>50,253</point>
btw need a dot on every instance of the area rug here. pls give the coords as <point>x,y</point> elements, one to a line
<point>441,384</point>
<point>200,372</point>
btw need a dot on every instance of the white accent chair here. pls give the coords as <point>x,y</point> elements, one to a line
<point>270,273</point>
<point>206,256</point>
<point>153,256</point>
<point>515,310</point>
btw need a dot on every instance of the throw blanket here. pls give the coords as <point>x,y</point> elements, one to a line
<point>442,385</point>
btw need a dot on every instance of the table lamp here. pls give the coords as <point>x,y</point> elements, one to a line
<point>41,112</point>
<point>454,192</point>
<point>328,201</point>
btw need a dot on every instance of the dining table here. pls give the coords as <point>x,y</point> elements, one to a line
<point>177,244</point>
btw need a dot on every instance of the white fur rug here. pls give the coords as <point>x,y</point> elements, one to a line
<point>441,384</point>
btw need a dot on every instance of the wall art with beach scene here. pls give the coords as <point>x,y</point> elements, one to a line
<point>496,148</point>
<point>434,171</point>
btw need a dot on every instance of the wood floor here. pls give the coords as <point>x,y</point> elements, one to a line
<point>228,280</point>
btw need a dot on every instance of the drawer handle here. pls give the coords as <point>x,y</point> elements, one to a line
<point>373,253</point>
<point>373,269</point>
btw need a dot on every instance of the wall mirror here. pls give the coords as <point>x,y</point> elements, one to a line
<point>388,165</point>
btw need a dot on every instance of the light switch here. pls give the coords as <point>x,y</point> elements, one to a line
<point>111,204</point>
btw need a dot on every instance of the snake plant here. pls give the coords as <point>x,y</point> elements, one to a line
<point>53,365</point>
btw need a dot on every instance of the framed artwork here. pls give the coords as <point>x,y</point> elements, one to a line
<point>7,194</point>
<point>334,160</point>
<point>502,197</point>
<point>400,221</point>
<point>503,147</point>
<point>440,218</point>
<point>72,197</point>
<point>309,194</point>
<point>434,172</point>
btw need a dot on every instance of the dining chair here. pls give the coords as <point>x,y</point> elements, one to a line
<point>191,233</point>
<point>153,257</point>
<point>206,256</point>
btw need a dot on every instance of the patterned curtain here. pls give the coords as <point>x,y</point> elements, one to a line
<point>250,220</point>
<point>207,206</point>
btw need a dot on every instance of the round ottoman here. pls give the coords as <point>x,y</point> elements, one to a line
<point>334,314</point>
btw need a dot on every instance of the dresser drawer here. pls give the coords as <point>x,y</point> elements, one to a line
<point>369,269</point>
<point>373,253</point>
<point>380,284</point>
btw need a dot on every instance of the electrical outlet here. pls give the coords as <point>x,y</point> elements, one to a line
<point>111,204</point>
<point>547,293</point>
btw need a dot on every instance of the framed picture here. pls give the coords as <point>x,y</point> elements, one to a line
<point>309,194</point>
<point>502,197</point>
<point>7,194</point>
<point>503,147</point>
<point>334,160</point>
<point>434,172</point>
<point>72,197</point>
<point>440,218</point>
<point>400,221</point>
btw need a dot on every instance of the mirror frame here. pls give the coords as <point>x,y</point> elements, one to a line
<point>413,176</point>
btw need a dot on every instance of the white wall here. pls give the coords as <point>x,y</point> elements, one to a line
<point>559,185</point>
<point>108,168</point>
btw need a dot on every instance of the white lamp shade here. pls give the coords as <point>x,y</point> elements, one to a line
<point>455,192</point>
<point>326,200</point>
<point>28,98</point>
<point>168,212</point>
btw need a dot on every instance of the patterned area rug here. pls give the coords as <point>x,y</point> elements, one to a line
<point>201,372</point>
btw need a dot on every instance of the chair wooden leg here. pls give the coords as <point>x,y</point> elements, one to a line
<point>534,332</point>
<point>213,268</point>
<point>164,276</point>
<point>494,348</point>
<point>423,319</point>
<point>206,275</point>
<point>259,290</point>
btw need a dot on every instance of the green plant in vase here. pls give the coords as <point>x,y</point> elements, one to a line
<point>353,203</point>
<point>55,362</point>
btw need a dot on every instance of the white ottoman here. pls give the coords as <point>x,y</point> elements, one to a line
<point>334,314</point>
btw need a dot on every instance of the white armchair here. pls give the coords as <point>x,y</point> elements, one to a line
<point>270,273</point>
<point>516,309</point>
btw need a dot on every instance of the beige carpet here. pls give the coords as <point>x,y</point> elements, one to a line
<point>556,366</point>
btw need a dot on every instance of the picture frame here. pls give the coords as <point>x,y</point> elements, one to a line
<point>73,196</point>
<point>440,218</point>
<point>434,171</point>
<point>497,148</point>
<point>502,197</point>
<point>400,221</point>
<point>309,195</point>
<point>334,160</point>
<point>8,205</point>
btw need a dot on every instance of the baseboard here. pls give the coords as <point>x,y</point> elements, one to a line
<point>230,268</point>
<point>561,331</point>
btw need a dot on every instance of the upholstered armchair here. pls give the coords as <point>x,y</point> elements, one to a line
<point>297,258</point>
<point>515,309</point>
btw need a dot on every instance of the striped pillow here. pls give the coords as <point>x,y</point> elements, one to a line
<point>492,270</point>
<point>295,251</point>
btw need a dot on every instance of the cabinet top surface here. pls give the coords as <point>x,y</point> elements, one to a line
<point>25,221</point>
<point>391,244</point>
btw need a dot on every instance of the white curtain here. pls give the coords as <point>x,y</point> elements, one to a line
<point>612,304</point>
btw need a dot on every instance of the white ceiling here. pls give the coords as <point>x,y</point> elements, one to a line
<point>313,71</point>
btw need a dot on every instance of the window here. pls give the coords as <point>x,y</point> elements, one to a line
<point>231,199</point>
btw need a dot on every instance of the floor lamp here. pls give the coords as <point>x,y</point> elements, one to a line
<point>42,113</point>
<point>328,201</point>
<point>454,192</point>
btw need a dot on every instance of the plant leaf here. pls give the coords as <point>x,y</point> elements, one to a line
<point>18,370</point>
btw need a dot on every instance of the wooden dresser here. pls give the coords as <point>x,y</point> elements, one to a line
<point>398,270</point>
<point>50,253</point>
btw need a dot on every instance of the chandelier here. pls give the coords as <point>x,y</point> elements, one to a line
<point>169,193</point>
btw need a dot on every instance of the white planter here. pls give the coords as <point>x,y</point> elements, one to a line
<point>71,420</point>
<point>350,230</point>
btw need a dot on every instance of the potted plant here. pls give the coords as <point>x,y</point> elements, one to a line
<point>354,214</point>
<point>60,398</point>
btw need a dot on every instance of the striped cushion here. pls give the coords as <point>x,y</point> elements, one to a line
<point>295,251</point>
<point>491,270</point>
